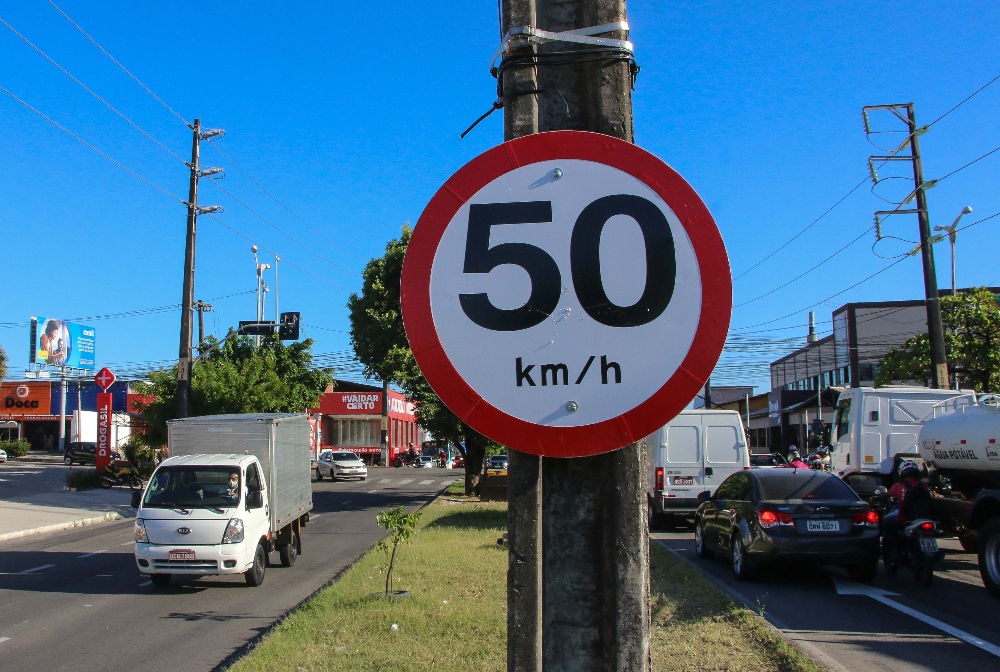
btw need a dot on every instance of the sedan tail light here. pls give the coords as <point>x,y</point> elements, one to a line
<point>659,479</point>
<point>866,518</point>
<point>768,518</point>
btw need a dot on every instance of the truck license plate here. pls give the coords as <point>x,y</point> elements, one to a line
<point>683,480</point>
<point>180,555</point>
<point>929,546</point>
<point>823,525</point>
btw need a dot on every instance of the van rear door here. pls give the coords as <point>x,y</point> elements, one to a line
<point>682,468</point>
<point>724,452</point>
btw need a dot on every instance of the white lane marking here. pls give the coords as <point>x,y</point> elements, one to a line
<point>145,583</point>
<point>849,588</point>
<point>35,569</point>
<point>427,482</point>
<point>405,481</point>
<point>4,639</point>
<point>88,555</point>
<point>371,491</point>
<point>386,480</point>
<point>314,515</point>
<point>128,543</point>
<point>446,483</point>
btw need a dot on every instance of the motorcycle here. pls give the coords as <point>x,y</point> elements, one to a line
<point>917,547</point>
<point>121,473</point>
<point>820,460</point>
<point>404,459</point>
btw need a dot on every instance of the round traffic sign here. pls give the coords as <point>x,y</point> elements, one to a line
<point>566,293</point>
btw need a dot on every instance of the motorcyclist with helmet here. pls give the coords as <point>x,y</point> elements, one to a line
<point>913,501</point>
<point>795,460</point>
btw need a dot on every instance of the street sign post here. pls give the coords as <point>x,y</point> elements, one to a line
<point>105,378</point>
<point>566,293</point>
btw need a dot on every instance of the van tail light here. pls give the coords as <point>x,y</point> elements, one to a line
<point>659,479</point>
<point>768,518</point>
<point>747,468</point>
<point>866,518</point>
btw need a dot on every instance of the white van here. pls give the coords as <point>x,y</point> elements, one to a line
<point>692,454</point>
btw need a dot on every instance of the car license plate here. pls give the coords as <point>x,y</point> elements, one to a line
<point>823,525</point>
<point>683,480</point>
<point>180,555</point>
<point>929,545</point>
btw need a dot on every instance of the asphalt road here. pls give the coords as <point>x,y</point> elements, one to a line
<point>887,625</point>
<point>74,600</point>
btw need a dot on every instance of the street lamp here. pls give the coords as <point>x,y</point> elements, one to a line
<point>260,285</point>
<point>953,237</point>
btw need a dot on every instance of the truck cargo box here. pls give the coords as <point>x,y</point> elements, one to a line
<point>279,440</point>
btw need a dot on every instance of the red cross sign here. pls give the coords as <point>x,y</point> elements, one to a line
<point>105,378</point>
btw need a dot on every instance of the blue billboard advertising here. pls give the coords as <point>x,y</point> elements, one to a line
<point>62,343</point>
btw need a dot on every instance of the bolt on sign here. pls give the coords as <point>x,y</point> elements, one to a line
<point>566,293</point>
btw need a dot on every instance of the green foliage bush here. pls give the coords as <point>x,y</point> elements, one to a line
<point>15,448</point>
<point>83,478</point>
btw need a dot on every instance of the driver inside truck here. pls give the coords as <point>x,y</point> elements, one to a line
<point>233,492</point>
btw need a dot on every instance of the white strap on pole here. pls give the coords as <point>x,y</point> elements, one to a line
<point>578,36</point>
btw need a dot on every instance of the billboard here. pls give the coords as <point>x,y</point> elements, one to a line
<point>62,343</point>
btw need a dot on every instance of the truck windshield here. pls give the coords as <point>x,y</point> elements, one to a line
<point>843,418</point>
<point>193,488</point>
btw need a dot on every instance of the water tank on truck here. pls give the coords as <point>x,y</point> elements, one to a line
<point>962,448</point>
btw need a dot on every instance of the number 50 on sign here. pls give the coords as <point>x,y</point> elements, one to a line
<point>566,293</point>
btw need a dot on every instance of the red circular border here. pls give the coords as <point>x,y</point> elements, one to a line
<point>634,424</point>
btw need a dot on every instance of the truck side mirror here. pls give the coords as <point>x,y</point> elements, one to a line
<point>136,498</point>
<point>255,499</point>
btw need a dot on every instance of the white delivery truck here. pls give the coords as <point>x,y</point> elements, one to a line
<point>873,425</point>
<point>235,488</point>
<point>692,454</point>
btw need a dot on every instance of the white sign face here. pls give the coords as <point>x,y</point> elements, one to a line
<point>566,301</point>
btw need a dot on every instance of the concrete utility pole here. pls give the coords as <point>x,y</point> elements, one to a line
<point>935,331</point>
<point>185,359</point>
<point>578,573</point>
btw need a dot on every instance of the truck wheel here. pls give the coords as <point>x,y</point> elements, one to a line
<point>290,552</point>
<point>255,575</point>
<point>160,580</point>
<point>989,556</point>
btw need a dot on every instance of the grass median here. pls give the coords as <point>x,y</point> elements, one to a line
<point>455,616</point>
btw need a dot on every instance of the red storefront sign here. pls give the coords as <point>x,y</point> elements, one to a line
<point>366,403</point>
<point>103,456</point>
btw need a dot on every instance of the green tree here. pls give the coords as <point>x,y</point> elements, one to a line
<point>239,377</point>
<point>401,526</point>
<point>380,344</point>
<point>972,344</point>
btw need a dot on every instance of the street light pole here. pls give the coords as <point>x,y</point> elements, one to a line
<point>953,238</point>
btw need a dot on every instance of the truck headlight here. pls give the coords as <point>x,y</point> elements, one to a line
<point>234,532</point>
<point>140,532</point>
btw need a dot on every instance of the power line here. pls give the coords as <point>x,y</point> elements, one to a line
<point>283,259</point>
<point>115,61</point>
<point>980,221</point>
<point>801,275</point>
<point>275,199</point>
<point>992,151</point>
<point>91,91</point>
<point>91,147</point>
<point>964,101</point>
<point>281,231</point>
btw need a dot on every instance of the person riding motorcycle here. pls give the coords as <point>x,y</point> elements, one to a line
<point>795,460</point>
<point>912,502</point>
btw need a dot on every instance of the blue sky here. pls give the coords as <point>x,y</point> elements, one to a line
<point>352,119</point>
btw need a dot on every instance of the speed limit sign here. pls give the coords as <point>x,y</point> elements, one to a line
<point>566,293</point>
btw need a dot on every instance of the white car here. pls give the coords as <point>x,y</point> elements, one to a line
<point>3,455</point>
<point>340,464</point>
<point>427,462</point>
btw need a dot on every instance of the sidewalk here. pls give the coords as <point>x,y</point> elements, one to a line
<point>50,512</point>
<point>40,456</point>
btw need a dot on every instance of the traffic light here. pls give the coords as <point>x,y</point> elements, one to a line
<point>289,329</point>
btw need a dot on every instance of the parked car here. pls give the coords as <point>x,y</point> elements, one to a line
<point>770,516</point>
<point>427,462</point>
<point>340,464</point>
<point>3,455</point>
<point>772,460</point>
<point>81,452</point>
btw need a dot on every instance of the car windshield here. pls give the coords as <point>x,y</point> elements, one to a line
<point>426,459</point>
<point>343,457</point>
<point>498,460</point>
<point>193,488</point>
<point>805,485</point>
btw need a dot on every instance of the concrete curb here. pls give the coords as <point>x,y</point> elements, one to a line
<point>107,517</point>
<point>773,625</point>
<point>38,459</point>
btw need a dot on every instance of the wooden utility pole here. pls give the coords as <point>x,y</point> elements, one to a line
<point>184,360</point>
<point>202,308</point>
<point>578,576</point>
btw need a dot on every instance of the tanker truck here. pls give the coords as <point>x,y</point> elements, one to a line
<point>961,449</point>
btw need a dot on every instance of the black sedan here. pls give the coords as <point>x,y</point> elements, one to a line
<point>782,515</point>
